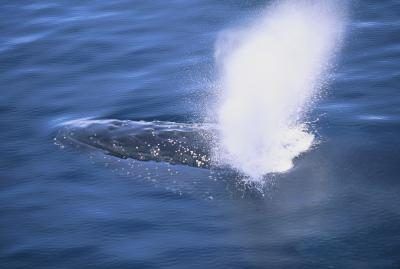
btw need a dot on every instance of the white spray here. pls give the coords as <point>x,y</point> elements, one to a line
<point>270,74</point>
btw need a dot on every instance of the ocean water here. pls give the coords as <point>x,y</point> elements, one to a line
<point>304,167</point>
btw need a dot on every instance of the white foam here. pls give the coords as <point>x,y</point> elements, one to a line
<point>270,73</point>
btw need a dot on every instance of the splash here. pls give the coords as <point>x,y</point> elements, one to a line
<point>270,74</point>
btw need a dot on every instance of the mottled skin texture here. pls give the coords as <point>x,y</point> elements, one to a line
<point>174,143</point>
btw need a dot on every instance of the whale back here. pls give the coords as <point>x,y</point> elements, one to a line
<point>174,143</point>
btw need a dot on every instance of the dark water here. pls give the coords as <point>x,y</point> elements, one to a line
<point>151,60</point>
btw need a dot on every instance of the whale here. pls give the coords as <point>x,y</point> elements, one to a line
<point>159,141</point>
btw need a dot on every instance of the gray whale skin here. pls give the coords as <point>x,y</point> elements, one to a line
<point>170,142</point>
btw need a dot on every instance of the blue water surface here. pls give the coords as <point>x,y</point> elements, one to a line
<point>153,60</point>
